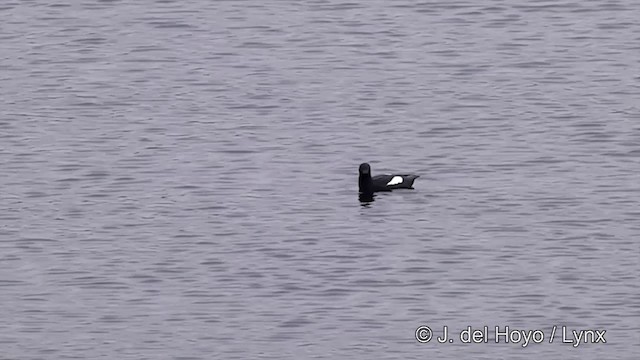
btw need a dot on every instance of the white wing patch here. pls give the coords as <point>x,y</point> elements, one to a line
<point>395,181</point>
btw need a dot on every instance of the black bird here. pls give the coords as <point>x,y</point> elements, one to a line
<point>368,185</point>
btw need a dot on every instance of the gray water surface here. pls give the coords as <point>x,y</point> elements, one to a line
<point>178,179</point>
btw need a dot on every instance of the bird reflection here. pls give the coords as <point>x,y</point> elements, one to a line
<point>366,199</point>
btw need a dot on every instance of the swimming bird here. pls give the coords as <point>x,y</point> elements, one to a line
<point>368,184</point>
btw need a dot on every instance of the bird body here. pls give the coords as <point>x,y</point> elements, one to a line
<point>368,184</point>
